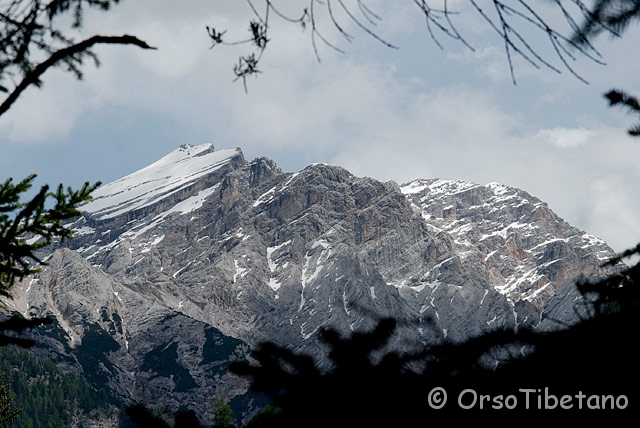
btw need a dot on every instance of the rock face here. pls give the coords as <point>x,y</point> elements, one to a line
<point>177,267</point>
<point>120,338</point>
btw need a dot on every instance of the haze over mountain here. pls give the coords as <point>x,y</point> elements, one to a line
<point>182,266</point>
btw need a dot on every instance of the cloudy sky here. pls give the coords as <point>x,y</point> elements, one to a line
<point>418,111</point>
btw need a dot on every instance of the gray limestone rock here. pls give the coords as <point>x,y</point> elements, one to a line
<point>179,265</point>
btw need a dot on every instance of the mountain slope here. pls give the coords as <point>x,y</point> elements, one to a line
<point>203,243</point>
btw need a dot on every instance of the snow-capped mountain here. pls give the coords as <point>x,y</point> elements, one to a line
<point>159,181</point>
<point>202,252</point>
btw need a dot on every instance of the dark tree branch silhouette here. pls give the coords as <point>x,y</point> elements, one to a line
<point>10,328</point>
<point>596,357</point>
<point>25,228</point>
<point>21,220</point>
<point>513,21</point>
<point>28,30</point>
<point>617,97</point>
<point>612,16</point>
<point>28,33</point>
<point>569,38</point>
<point>33,77</point>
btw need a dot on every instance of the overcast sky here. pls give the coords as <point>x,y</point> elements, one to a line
<point>392,114</point>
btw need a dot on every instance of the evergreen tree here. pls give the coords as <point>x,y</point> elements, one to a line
<point>25,228</point>
<point>27,31</point>
<point>265,418</point>
<point>40,388</point>
<point>20,220</point>
<point>223,416</point>
<point>8,412</point>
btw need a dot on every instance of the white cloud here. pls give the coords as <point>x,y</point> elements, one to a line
<point>381,113</point>
<point>611,207</point>
<point>47,114</point>
<point>566,137</point>
<point>489,61</point>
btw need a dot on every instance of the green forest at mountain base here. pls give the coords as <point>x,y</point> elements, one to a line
<point>48,397</point>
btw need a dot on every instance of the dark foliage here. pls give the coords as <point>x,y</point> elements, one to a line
<point>8,413</point>
<point>187,419</point>
<point>612,16</point>
<point>48,397</point>
<point>20,220</point>
<point>12,326</point>
<point>139,416</point>
<point>621,98</point>
<point>223,416</point>
<point>595,358</point>
<point>593,363</point>
<point>25,228</point>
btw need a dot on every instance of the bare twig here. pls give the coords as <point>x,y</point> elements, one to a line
<point>509,19</point>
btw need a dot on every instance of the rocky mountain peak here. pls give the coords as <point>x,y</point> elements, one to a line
<point>186,170</point>
<point>244,252</point>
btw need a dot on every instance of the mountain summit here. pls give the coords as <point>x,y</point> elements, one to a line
<point>173,173</point>
<point>182,266</point>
